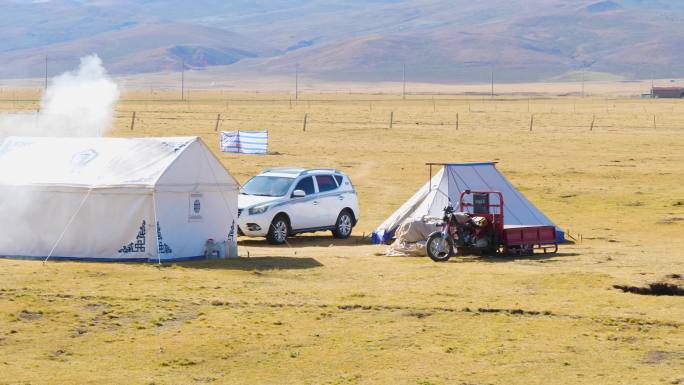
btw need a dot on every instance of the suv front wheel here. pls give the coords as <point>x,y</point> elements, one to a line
<point>278,231</point>
<point>344,225</point>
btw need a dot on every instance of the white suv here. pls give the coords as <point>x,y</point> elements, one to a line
<point>286,201</point>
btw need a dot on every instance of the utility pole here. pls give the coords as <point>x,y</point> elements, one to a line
<point>492,82</point>
<point>403,77</point>
<point>652,83</point>
<point>297,81</point>
<point>46,72</point>
<point>183,79</point>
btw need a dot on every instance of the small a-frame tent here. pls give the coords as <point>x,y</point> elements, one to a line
<point>114,199</point>
<point>448,183</point>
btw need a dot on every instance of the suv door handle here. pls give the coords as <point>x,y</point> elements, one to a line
<point>315,202</point>
<point>340,197</point>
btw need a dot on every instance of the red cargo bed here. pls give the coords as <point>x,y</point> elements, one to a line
<point>526,239</point>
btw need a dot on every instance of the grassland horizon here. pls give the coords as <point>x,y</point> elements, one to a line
<point>222,84</point>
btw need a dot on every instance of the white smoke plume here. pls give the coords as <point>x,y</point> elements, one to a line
<point>77,103</point>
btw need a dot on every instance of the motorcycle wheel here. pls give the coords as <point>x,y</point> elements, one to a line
<point>439,248</point>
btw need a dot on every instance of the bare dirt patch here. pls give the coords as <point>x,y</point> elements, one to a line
<point>28,315</point>
<point>417,314</point>
<point>670,220</point>
<point>659,356</point>
<point>654,357</point>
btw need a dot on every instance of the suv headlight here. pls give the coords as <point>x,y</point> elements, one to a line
<point>258,209</point>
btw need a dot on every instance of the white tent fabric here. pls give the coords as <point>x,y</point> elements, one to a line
<point>448,184</point>
<point>114,199</point>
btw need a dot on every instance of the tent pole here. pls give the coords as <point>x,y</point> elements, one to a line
<point>156,224</point>
<point>430,178</point>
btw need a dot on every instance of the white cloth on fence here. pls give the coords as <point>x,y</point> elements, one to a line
<point>244,142</point>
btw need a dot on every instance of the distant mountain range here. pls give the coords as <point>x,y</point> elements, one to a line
<point>440,40</point>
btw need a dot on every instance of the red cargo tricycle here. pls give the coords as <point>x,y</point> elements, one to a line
<point>479,229</point>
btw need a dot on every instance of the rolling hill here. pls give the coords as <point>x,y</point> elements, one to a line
<point>141,48</point>
<point>438,40</point>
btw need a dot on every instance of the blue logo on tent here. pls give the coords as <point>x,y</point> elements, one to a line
<point>196,206</point>
<point>82,158</point>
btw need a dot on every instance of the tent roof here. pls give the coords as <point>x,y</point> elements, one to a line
<point>89,162</point>
<point>464,164</point>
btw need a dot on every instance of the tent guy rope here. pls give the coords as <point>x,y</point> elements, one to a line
<point>78,210</point>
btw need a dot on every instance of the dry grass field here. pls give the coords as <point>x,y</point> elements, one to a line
<point>325,311</point>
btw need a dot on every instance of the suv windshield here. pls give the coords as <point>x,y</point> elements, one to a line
<point>267,186</point>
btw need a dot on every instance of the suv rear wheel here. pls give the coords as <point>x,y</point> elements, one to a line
<point>278,231</point>
<point>344,225</point>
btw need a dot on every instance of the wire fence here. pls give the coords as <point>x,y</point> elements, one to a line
<point>393,120</point>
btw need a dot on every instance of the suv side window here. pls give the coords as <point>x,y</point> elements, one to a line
<point>325,183</point>
<point>339,179</point>
<point>306,185</point>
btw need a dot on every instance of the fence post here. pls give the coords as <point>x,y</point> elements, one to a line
<point>133,121</point>
<point>391,118</point>
<point>457,121</point>
<point>531,121</point>
<point>654,122</point>
<point>593,119</point>
<point>218,120</point>
<point>304,127</point>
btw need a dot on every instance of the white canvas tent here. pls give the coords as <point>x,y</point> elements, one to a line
<point>114,199</point>
<point>448,184</point>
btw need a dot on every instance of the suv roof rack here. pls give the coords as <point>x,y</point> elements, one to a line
<point>310,171</point>
<point>301,170</point>
<point>292,170</point>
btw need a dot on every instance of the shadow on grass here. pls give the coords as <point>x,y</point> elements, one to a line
<point>300,241</point>
<point>251,264</point>
<point>510,258</point>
